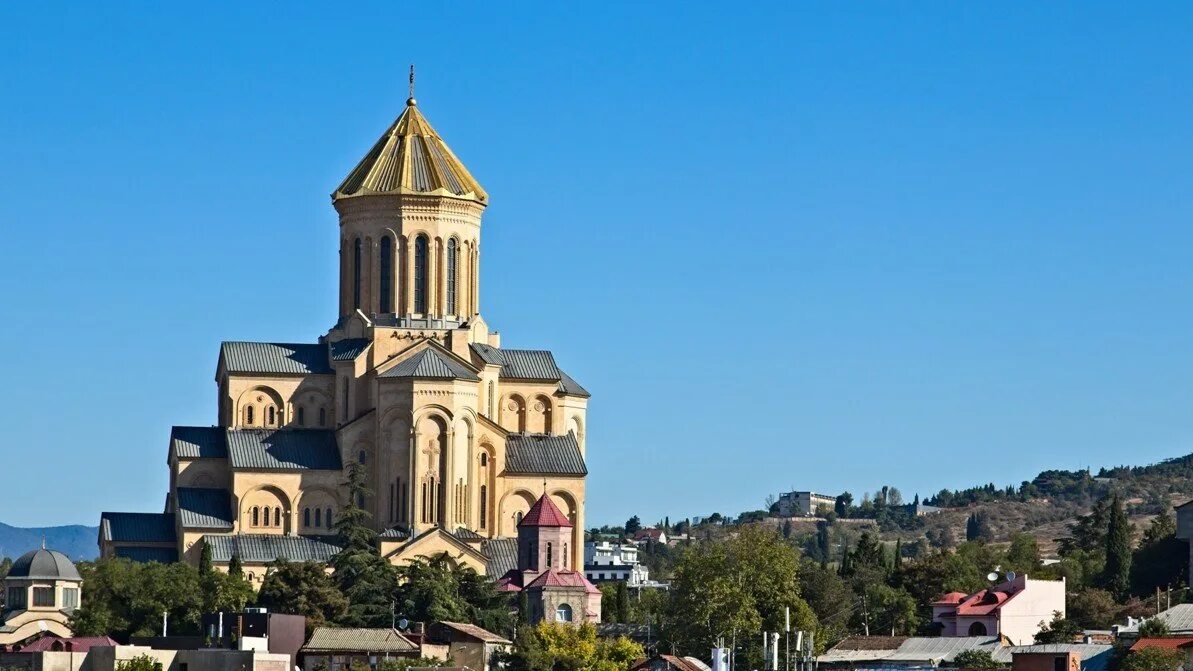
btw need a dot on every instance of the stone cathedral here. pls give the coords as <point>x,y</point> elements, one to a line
<point>459,436</point>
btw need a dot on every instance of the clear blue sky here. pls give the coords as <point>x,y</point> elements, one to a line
<point>827,246</point>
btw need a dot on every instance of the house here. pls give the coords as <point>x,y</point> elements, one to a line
<point>669,663</point>
<point>649,534</point>
<point>41,591</point>
<point>1061,657</point>
<point>605,561</point>
<point>58,644</point>
<point>335,648</point>
<point>1178,619</point>
<point>1182,643</point>
<point>1015,609</point>
<point>468,645</point>
<point>803,504</point>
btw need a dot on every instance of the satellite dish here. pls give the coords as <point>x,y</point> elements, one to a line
<point>1010,576</point>
<point>403,624</point>
<point>992,576</point>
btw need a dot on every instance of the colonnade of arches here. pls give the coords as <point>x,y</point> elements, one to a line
<point>263,407</point>
<point>410,275</point>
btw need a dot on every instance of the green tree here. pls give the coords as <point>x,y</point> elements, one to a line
<point>1060,630</point>
<point>891,610</point>
<point>843,504</point>
<point>302,588</point>
<point>743,584</point>
<point>139,663</point>
<point>408,663</point>
<point>975,659</point>
<point>1092,608</point>
<point>977,527</point>
<point>235,567</point>
<point>362,575</point>
<point>830,598</point>
<point>1154,659</point>
<point>1154,627</point>
<point>621,602</point>
<point>435,589</point>
<point>1162,526</point>
<point>1088,532</point>
<point>552,646</point>
<point>205,566</point>
<point>1160,560</point>
<point>122,598</point>
<point>1116,576</point>
<point>633,526</point>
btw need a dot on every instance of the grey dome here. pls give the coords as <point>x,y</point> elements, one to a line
<point>45,565</point>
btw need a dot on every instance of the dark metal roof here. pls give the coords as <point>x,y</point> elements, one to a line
<point>275,358</point>
<point>203,508</point>
<point>137,527</point>
<point>529,364</point>
<point>349,348</point>
<point>149,554</point>
<point>465,534</point>
<point>198,442</point>
<point>44,564</point>
<point>431,364</point>
<point>282,449</point>
<point>264,548</point>
<point>395,533</point>
<point>538,454</point>
<point>502,554</point>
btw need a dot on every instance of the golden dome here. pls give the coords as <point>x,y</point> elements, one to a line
<point>411,158</point>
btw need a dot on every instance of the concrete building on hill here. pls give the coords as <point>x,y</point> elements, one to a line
<point>803,504</point>
<point>457,433</point>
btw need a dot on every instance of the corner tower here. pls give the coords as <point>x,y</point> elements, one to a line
<point>410,216</point>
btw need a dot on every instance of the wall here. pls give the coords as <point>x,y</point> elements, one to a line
<point>1023,615</point>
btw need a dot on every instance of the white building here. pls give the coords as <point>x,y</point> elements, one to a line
<point>1015,609</point>
<point>605,561</point>
<point>803,504</point>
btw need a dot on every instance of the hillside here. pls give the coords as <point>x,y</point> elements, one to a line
<point>75,541</point>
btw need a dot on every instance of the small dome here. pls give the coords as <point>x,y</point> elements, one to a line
<point>44,564</point>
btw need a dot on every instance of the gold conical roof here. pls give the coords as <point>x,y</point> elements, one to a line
<point>411,158</point>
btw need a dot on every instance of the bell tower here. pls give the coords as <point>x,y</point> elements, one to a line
<point>410,217</point>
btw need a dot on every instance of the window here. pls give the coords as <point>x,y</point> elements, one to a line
<point>70,597</point>
<point>43,596</point>
<point>977,629</point>
<point>17,598</point>
<point>248,415</point>
<point>518,517</point>
<point>420,274</point>
<point>356,254</point>
<point>424,502</point>
<point>318,518</point>
<point>563,613</point>
<point>387,275</point>
<point>277,517</point>
<point>322,416</point>
<point>548,555</point>
<point>270,416</point>
<point>453,254</point>
<point>328,518</point>
<point>484,505</point>
<point>306,516</point>
<point>484,459</point>
<point>256,516</point>
<point>302,416</point>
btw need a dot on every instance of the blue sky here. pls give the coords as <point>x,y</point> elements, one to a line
<point>827,246</point>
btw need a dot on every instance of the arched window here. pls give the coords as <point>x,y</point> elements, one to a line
<point>356,258</point>
<point>484,458</point>
<point>277,517</point>
<point>302,416</point>
<point>256,516</point>
<point>977,629</point>
<point>387,275</point>
<point>248,415</point>
<point>484,504</point>
<point>270,416</point>
<point>362,457</point>
<point>563,613</point>
<point>328,518</point>
<point>322,416</point>
<point>318,518</point>
<point>306,516</point>
<point>453,255</point>
<point>518,517</point>
<point>420,274</point>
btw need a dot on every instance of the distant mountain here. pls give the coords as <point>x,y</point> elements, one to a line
<point>75,541</point>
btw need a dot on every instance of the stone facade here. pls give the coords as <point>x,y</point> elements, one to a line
<point>458,435</point>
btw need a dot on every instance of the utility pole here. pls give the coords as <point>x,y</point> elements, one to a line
<point>866,613</point>
<point>787,638</point>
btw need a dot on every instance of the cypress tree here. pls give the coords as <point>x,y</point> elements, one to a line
<point>1117,575</point>
<point>205,568</point>
<point>235,568</point>
<point>898,563</point>
<point>622,602</point>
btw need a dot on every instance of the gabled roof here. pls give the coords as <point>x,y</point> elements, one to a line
<point>502,554</point>
<point>544,513</point>
<point>144,555</point>
<point>348,348</point>
<point>352,639</point>
<point>431,364</point>
<point>473,631</point>
<point>1167,642</point>
<point>529,364</point>
<point>274,358</point>
<point>137,527</point>
<point>538,454</point>
<point>265,548</point>
<point>205,508</point>
<point>283,449</point>
<point>411,158</point>
<point>553,578</point>
<point>198,442</point>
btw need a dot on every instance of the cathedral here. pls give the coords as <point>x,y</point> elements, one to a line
<point>460,436</point>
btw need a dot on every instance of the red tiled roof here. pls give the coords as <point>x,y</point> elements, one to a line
<point>544,513</point>
<point>553,578</point>
<point>950,599</point>
<point>80,644</point>
<point>1167,642</point>
<point>652,534</point>
<point>984,602</point>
